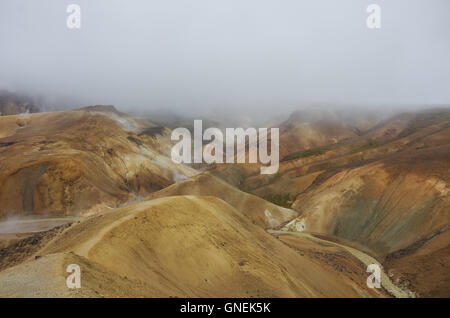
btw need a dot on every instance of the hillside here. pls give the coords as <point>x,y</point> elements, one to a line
<point>384,190</point>
<point>81,161</point>
<point>259,211</point>
<point>189,246</point>
<point>97,187</point>
<point>13,104</point>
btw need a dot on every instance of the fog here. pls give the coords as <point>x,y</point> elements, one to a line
<point>241,57</point>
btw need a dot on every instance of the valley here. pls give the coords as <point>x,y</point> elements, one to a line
<point>97,187</point>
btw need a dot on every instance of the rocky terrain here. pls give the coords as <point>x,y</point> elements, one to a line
<point>96,187</point>
<point>384,191</point>
<point>185,246</point>
<point>82,161</point>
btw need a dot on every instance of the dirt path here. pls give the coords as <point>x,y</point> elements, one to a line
<point>364,258</point>
<point>33,224</point>
<point>84,248</point>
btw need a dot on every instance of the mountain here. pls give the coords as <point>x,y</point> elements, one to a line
<point>81,161</point>
<point>13,104</point>
<point>259,211</point>
<point>384,191</point>
<point>306,130</point>
<point>182,246</point>
<point>96,187</point>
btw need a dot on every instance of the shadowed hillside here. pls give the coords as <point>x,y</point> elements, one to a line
<point>189,246</point>
<point>385,190</point>
<point>80,161</point>
<point>343,198</point>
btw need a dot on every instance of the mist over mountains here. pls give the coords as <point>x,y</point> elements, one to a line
<point>361,122</point>
<point>248,58</point>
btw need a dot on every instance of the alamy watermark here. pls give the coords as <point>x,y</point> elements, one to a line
<point>73,20</point>
<point>374,280</point>
<point>235,138</point>
<point>74,279</point>
<point>374,19</point>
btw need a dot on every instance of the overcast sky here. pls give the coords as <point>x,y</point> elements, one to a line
<point>238,55</point>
